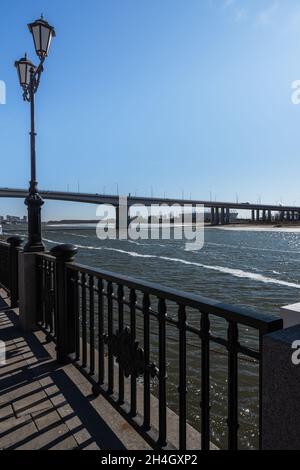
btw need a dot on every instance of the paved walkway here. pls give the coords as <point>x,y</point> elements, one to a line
<point>45,406</point>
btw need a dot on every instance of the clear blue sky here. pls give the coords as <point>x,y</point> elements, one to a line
<point>178,95</point>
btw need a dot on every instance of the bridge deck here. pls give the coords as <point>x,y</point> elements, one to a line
<point>90,198</point>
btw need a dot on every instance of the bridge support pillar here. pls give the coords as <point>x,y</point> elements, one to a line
<point>117,218</point>
<point>264,216</point>
<point>227,220</point>
<point>122,218</point>
<point>269,216</point>
<point>217,218</point>
<point>257,215</point>
<point>212,216</point>
<point>253,215</point>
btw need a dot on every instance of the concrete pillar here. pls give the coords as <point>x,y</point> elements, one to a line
<point>290,315</point>
<point>264,215</point>
<point>280,390</point>
<point>122,218</point>
<point>27,291</point>
<point>217,218</point>
<point>222,216</point>
<point>269,216</point>
<point>194,216</point>
<point>212,221</point>
<point>253,215</point>
<point>257,215</point>
<point>117,217</point>
<point>227,215</point>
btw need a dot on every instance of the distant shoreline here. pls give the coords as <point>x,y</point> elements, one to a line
<point>92,224</point>
<point>260,227</point>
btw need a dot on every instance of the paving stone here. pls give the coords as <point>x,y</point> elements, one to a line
<point>54,434</point>
<point>23,389</point>
<point>13,367</point>
<point>16,432</point>
<point>92,446</point>
<point>78,430</point>
<point>29,404</point>
<point>6,412</point>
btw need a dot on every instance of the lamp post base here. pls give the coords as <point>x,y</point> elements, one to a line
<point>34,248</point>
<point>35,244</point>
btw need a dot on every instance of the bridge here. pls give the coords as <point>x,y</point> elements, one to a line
<point>220,210</point>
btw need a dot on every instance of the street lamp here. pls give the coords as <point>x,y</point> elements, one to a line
<point>42,34</point>
<point>24,67</point>
<point>29,78</point>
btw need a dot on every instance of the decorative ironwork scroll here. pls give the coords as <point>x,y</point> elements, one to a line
<point>129,355</point>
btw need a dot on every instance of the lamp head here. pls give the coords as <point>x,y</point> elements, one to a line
<point>42,34</point>
<point>24,68</point>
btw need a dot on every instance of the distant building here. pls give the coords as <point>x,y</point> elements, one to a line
<point>13,219</point>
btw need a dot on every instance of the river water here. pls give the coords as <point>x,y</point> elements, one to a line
<point>249,268</point>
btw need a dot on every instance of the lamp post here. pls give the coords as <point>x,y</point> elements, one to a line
<point>29,78</point>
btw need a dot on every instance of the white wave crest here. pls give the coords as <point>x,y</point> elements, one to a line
<point>239,273</point>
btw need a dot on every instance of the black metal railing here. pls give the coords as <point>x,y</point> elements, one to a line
<point>45,295</point>
<point>4,265</point>
<point>9,268</point>
<point>108,325</point>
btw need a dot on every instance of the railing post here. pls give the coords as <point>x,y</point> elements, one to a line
<point>280,390</point>
<point>63,302</point>
<point>27,291</point>
<point>14,243</point>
